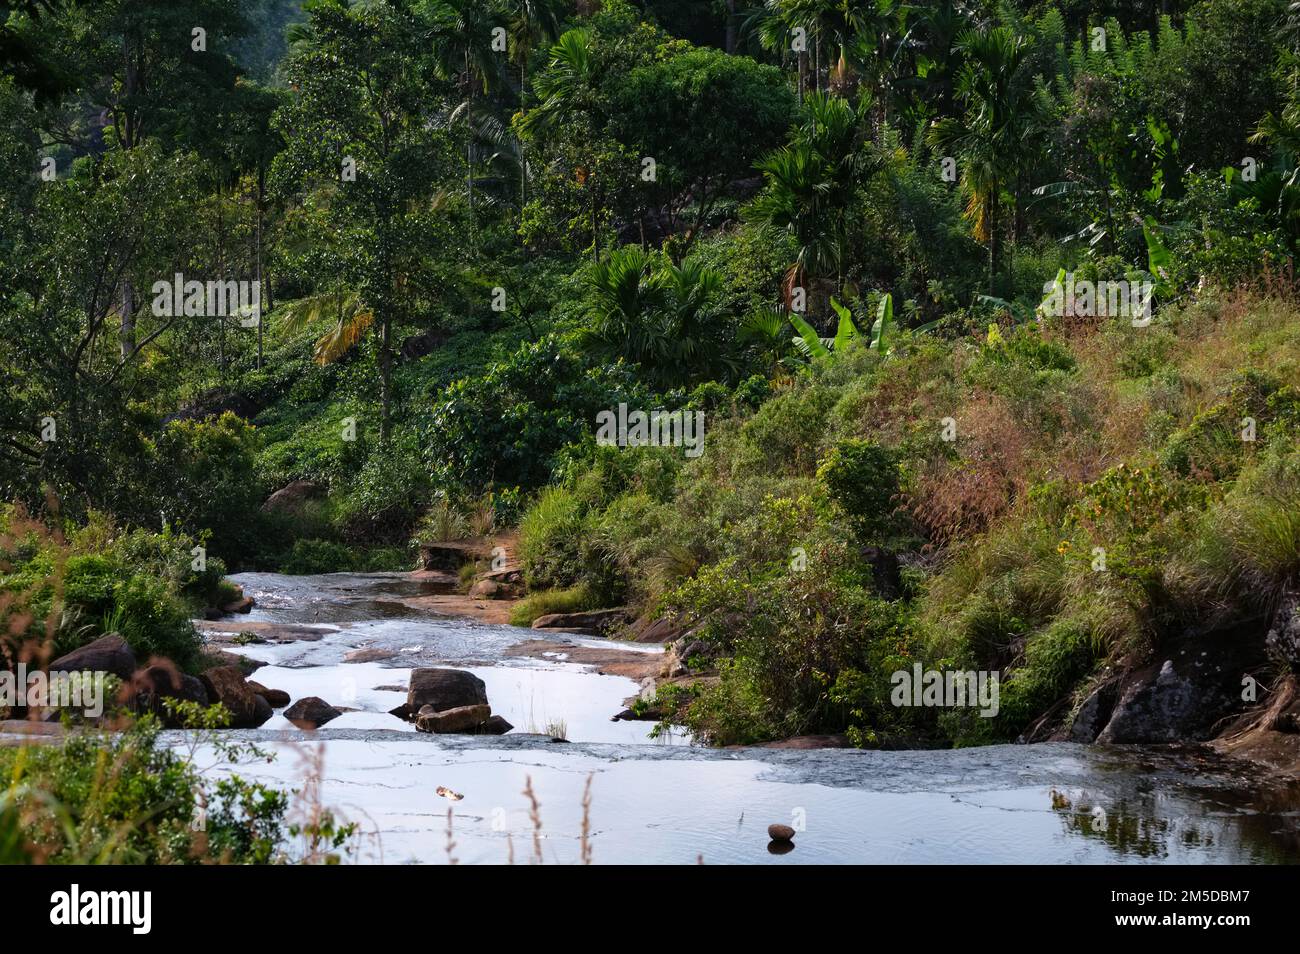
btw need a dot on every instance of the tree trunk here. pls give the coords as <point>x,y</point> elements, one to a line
<point>995,244</point>
<point>385,381</point>
<point>126,337</point>
<point>469,137</point>
<point>523,148</point>
<point>261,292</point>
<point>731,27</point>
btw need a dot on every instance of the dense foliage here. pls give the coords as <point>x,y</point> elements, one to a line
<point>871,242</point>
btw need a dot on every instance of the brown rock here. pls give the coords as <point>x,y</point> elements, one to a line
<point>242,605</point>
<point>487,590</point>
<point>226,685</point>
<point>445,689</point>
<point>164,681</point>
<point>459,719</point>
<point>495,725</point>
<point>368,654</point>
<point>277,698</point>
<point>591,622</point>
<point>311,712</point>
<point>780,832</point>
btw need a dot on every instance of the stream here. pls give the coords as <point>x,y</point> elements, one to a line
<point>666,800</point>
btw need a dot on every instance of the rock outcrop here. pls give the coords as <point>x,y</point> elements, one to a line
<point>110,653</point>
<point>227,685</point>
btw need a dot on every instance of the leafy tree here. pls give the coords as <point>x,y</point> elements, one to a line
<point>681,112</point>
<point>360,144</point>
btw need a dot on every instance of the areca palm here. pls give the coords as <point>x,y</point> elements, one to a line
<point>999,106</point>
<point>567,86</point>
<point>463,50</point>
<point>660,316</point>
<point>811,183</point>
<point>532,23</point>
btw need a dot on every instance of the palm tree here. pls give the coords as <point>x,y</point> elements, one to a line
<point>568,90</point>
<point>999,106</point>
<point>351,316</point>
<point>463,49</point>
<point>660,316</point>
<point>532,23</point>
<point>811,183</point>
<point>625,300</point>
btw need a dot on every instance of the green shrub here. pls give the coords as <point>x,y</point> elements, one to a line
<point>550,536</point>
<point>861,478</point>
<point>126,798</point>
<point>308,557</point>
<point>573,600</point>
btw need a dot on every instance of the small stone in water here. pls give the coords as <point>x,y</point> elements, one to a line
<point>445,792</point>
<point>780,832</point>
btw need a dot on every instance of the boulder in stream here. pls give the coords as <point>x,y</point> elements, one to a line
<point>226,685</point>
<point>459,719</point>
<point>109,653</point>
<point>277,698</point>
<point>311,712</point>
<point>445,689</point>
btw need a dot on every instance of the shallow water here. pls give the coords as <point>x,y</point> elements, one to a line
<point>668,802</point>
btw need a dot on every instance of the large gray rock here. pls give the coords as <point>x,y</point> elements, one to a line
<point>460,719</point>
<point>1185,692</point>
<point>1094,713</point>
<point>292,496</point>
<point>109,653</point>
<point>1283,638</point>
<point>445,689</point>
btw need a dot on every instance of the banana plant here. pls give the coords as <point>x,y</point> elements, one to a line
<point>1019,312</point>
<point>824,350</point>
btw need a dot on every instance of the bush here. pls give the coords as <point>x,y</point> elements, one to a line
<point>572,600</point>
<point>550,535</point>
<point>308,557</point>
<point>861,478</point>
<point>124,798</point>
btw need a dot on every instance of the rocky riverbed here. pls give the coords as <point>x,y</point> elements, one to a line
<point>353,640</point>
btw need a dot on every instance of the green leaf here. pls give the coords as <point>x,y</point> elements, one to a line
<point>880,327</point>
<point>846,330</point>
<point>808,342</point>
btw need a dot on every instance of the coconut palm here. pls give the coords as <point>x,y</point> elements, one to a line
<point>532,23</point>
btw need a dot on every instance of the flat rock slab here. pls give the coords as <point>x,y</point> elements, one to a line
<point>369,654</point>
<point>591,622</point>
<point>608,661</point>
<point>19,732</point>
<point>225,632</point>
